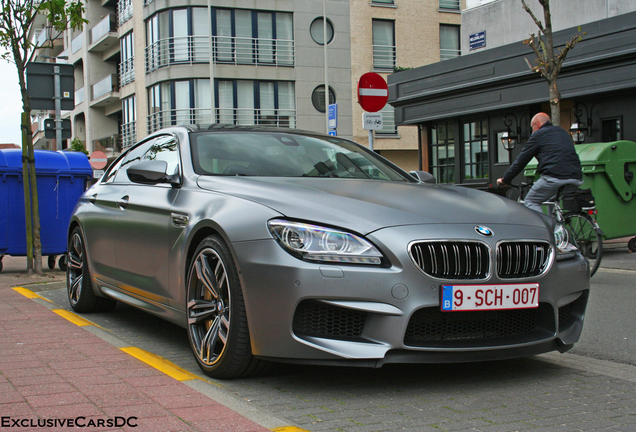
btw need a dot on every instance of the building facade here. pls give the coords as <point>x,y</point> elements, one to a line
<point>465,105</point>
<point>143,65</point>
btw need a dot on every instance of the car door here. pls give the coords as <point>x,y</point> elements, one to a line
<point>143,223</point>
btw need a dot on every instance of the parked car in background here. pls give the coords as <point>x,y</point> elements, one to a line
<point>282,245</point>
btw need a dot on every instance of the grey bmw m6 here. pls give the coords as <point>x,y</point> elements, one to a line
<point>280,245</point>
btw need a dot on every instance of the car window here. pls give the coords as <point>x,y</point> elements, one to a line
<point>109,175</point>
<point>165,149</point>
<point>286,155</point>
<point>134,155</point>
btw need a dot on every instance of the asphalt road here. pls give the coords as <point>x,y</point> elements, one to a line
<point>553,392</point>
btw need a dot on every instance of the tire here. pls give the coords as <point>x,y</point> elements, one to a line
<point>584,235</point>
<point>78,279</point>
<point>217,321</point>
<point>631,244</point>
<point>63,262</point>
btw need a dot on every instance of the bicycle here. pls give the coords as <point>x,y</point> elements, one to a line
<point>580,225</point>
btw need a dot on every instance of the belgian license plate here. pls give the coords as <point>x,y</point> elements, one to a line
<point>489,297</point>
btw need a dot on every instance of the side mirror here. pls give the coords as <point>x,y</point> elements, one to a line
<point>423,176</point>
<point>151,172</point>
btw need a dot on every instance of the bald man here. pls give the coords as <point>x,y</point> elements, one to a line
<point>559,165</point>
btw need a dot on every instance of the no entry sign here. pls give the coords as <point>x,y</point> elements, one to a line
<point>98,160</point>
<point>372,92</point>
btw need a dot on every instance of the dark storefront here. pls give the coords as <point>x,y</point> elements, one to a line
<point>462,106</point>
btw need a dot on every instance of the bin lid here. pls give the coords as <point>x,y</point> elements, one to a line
<point>47,162</point>
<point>607,152</point>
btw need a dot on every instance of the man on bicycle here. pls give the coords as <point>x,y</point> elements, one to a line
<point>559,164</point>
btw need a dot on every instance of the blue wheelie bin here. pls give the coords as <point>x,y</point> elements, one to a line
<point>62,177</point>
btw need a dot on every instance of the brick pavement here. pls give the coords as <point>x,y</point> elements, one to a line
<point>54,375</point>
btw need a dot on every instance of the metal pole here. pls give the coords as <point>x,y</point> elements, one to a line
<point>370,139</point>
<point>58,108</point>
<point>324,48</point>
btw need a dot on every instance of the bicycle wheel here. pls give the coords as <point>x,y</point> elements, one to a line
<point>583,234</point>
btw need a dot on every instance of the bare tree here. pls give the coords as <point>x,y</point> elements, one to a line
<point>548,63</point>
<point>17,26</point>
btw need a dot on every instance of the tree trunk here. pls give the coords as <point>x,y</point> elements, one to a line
<point>555,102</point>
<point>35,207</point>
<point>26,129</point>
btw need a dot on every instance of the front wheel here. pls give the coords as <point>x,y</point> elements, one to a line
<point>585,236</point>
<point>217,321</point>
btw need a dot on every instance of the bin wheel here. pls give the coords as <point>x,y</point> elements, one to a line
<point>63,262</point>
<point>631,245</point>
<point>51,262</point>
<point>1,263</point>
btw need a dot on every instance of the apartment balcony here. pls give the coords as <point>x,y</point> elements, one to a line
<point>204,116</point>
<point>226,50</point>
<point>105,92</point>
<point>104,35</point>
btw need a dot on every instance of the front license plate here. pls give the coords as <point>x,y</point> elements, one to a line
<point>489,297</point>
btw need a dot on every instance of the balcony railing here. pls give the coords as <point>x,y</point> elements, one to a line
<point>447,54</point>
<point>124,11</point>
<point>279,118</point>
<point>102,28</point>
<point>128,134</point>
<point>227,50</point>
<point>79,96</point>
<point>384,57</point>
<point>77,42</point>
<point>127,71</point>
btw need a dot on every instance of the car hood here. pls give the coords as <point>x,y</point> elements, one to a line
<point>368,205</point>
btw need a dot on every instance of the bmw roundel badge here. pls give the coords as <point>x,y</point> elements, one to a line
<point>485,231</point>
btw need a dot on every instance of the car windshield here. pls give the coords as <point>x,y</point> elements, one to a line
<point>287,155</point>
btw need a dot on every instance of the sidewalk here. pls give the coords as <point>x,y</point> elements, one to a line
<point>55,376</point>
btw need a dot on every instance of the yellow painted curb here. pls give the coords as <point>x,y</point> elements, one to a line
<point>75,319</point>
<point>289,429</point>
<point>29,294</point>
<point>159,363</point>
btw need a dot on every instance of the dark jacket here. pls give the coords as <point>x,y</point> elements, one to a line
<point>554,149</point>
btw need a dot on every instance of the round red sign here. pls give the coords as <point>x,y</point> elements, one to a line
<point>372,92</point>
<point>98,160</point>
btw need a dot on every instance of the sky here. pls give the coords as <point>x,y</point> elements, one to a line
<point>10,104</point>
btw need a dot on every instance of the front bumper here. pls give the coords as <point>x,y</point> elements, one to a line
<point>331,314</point>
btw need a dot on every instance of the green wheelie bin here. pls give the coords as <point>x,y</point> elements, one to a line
<point>608,170</point>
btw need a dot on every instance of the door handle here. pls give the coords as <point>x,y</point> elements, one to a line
<point>123,202</point>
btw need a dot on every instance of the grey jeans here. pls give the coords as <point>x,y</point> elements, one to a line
<point>544,189</point>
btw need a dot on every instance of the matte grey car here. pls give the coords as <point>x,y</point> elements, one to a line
<point>280,245</point>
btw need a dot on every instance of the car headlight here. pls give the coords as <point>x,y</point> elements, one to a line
<point>321,244</point>
<point>564,248</point>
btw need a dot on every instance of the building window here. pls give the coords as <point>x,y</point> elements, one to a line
<point>449,41</point>
<point>503,155</point>
<point>388,121</point>
<point>476,150</point>
<point>611,129</point>
<point>442,149</point>
<point>179,102</point>
<point>179,36</point>
<point>382,2</point>
<point>246,102</point>
<point>317,31</point>
<point>129,121</point>
<point>318,98</point>
<point>449,5</point>
<point>384,50</point>
<point>127,65</point>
